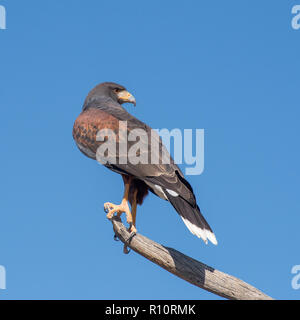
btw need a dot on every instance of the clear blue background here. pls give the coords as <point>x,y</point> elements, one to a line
<point>230,67</point>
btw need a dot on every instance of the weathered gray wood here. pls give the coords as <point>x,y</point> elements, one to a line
<point>188,268</point>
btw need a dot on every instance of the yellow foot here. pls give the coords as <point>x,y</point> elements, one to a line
<point>111,209</point>
<point>132,228</point>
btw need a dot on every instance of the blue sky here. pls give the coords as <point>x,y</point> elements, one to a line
<point>229,67</point>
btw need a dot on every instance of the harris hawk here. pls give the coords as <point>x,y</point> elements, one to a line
<point>103,110</point>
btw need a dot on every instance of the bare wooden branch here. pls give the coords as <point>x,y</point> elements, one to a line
<point>188,268</point>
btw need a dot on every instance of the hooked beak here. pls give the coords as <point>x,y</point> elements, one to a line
<point>125,96</point>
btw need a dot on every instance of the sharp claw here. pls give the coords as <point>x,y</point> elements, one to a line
<point>116,238</point>
<point>106,208</point>
<point>125,249</point>
<point>131,236</point>
<point>130,226</point>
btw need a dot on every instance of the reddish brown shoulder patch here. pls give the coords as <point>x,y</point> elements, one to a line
<point>89,123</point>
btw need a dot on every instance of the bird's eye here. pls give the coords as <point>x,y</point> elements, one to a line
<point>116,90</point>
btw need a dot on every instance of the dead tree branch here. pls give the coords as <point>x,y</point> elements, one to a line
<point>188,269</point>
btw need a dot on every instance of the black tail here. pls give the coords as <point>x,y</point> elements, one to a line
<point>193,219</point>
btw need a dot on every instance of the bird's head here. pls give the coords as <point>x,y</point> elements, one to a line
<point>111,90</point>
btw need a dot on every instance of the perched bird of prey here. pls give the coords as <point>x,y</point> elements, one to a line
<point>103,110</point>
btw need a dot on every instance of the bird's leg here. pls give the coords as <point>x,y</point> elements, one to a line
<point>111,208</point>
<point>133,210</point>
